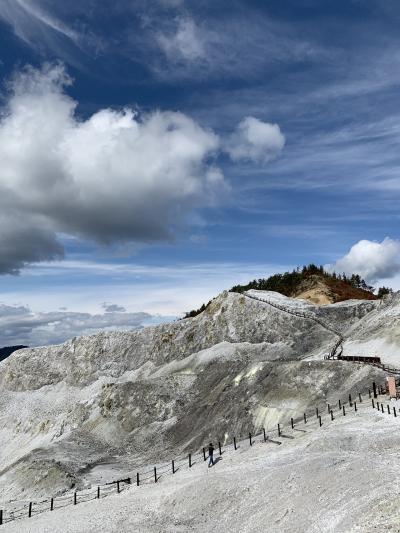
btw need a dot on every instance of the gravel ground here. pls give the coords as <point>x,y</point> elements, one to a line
<point>343,477</point>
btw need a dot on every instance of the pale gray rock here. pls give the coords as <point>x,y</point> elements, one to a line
<point>93,407</point>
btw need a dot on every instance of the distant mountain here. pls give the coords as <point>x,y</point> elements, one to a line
<point>8,350</point>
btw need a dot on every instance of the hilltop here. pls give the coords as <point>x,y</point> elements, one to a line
<point>312,283</point>
<point>315,284</point>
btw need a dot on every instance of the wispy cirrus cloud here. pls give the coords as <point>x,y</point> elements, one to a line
<point>28,18</point>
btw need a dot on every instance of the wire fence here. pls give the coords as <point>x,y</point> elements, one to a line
<point>150,474</point>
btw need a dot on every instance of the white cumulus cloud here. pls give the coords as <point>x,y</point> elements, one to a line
<point>113,177</point>
<point>372,260</point>
<point>255,141</point>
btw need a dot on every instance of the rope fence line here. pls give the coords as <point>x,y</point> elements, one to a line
<point>308,419</point>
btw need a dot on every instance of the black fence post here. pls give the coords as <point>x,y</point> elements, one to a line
<point>355,407</point>
<point>340,404</point>
<point>219,447</point>
<point>359,397</point>
<point>234,443</point>
<point>394,411</point>
<point>155,475</point>
<point>316,412</point>
<point>251,444</point>
<point>75,502</point>
<point>117,487</point>
<point>204,454</point>
<point>292,423</point>
<point>190,460</point>
<point>369,393</point>
<point>1,517</point>
<point>137,479</point>
<point>279,430</point>
<point>350,402</point>
<point>374,389</point>
<point>377,406</point>
<point>320,420</point>
<point>265,436</point>
<point>332,415</point>
<point>128,480</point>
<point>305,418</point>
<point>382,407</point>
<point>344,411</point>
<point>388,408</point>
<point>329,408</point>
<point>98,492</point>
<point>173,466</point>
<point>52,504</point>
<point>373,403</point>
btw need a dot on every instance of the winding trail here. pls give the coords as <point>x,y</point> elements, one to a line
<point>337,349</point>
<point>308,316</point>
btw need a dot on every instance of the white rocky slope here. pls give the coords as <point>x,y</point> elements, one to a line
<point>341,478</point>
<point>71,413</point>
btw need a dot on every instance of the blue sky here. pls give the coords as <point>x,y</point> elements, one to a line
<point>156,152</point>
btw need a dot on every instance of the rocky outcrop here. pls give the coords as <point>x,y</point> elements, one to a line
<point>72,412</point>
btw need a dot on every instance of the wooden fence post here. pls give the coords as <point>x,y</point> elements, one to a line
<point>305,418</point>
<point>388,408</point>
<point>279,430</point>
<point>98,492</point>
<point>292,423</point>
<point>117,487</point>
<point>30,510</point>
<point>75,502</point>
<point>359,397</point>
<point>320,420</point>
<point>234,443</point>
<point>329,408</point>
<point>251,444</point>
<point>265,436</point>
<point>340,404</point>
<point>1,517</point>
<point>382,407</point>
<point>332,415</point>
<point>190,460</point>
<point>394,411</point>
<point>355,407</point>
<point>344,411</point>
<point>369,393</point>
<point>374,389</point>
<point>173,466</point>
<point>373,403</point>
<point>350,402</point>
<point>52,504</point>
<point>316,411</point>
<point>155,475</point>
